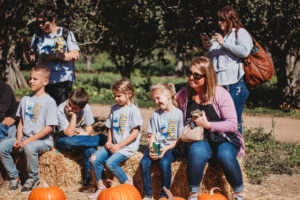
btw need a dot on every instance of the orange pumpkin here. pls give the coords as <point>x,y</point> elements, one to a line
<point>212,196</point>
<point>50,193</point>
<point>121,192</point>
<point>170,195</point>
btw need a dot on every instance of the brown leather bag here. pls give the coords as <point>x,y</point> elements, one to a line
<point>258,66</point>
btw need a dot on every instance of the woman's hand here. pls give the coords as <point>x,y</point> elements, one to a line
<point>206,43</point>
<point>202,121</point>
<point>219,38</point>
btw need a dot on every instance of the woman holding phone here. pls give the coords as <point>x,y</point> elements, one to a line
<point>226,51</point>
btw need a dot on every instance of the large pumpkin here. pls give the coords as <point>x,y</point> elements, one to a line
<point>170,195</point>
<point>212,196</point>
<point>50,193</point>
<point>121,192</point>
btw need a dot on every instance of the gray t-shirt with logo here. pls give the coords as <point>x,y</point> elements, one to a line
<point>84,117</point>
<point>167,126</point>
<point>37,113</point>
<point>121,121</point>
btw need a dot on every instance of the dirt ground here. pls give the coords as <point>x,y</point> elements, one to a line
<point>275,187</point>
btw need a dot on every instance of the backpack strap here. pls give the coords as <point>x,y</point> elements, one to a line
<point>65,33</point>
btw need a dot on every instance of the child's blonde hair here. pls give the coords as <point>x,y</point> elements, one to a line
<point>124,86</point>
<point>166,87</point>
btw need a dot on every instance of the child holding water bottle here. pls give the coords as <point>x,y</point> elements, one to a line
<point>165,127</point>
<point>124,123</point>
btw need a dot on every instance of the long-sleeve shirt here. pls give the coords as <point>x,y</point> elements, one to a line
<point>224,106</point>
<point>8,106</point>
<point>227,58</point>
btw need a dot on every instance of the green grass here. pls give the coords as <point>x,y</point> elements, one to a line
<point>266,156</point>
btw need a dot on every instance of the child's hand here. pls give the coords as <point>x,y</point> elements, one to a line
<point>163,151</point>
<point>152,155</point>
<point>108,145</point>
<point>23,143</point>
<point>17,144</point>
<point>115,148</point>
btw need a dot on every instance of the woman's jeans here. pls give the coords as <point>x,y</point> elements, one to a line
<point>112,162</point>
<point>86,143</point>
<point>31,152</point>
<point>165,166</point>
<point>225,154</point>
<point>239,94</point>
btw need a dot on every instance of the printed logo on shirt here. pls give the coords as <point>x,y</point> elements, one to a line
<point>119,123</point>
<point>33,111</point>
<point>168,129</point>
<point>60,45</point>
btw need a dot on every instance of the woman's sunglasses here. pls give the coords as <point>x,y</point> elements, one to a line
<point>195,75</point>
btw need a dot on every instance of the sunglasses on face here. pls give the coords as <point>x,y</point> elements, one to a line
<point>195,75</point>
<point>221,19</point>
<point>41,22</point>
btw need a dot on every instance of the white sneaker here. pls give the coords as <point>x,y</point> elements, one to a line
<point>101,185</point>
<point>238,197</point>
<point>148,198</point>
<point>129,180</point>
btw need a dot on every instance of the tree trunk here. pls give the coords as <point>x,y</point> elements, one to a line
<point>14,76</point>
<point>89,60</point>
<point>291,92</point>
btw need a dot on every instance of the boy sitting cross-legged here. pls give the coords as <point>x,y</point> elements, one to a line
<point>38,115</point>
<point>75,122</point>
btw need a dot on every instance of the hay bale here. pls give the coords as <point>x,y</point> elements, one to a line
<point>213,177</point>
<point>61,169</point>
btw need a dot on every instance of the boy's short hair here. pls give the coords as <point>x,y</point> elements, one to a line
<point>40,68</point>
<point>48,13</point>
<point>79,97</point>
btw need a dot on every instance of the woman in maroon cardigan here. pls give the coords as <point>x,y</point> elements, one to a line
<point>222,141</point>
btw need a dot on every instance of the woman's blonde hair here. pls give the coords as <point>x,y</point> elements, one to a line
<point>231,17</point>
<point>169,87</point>
<point>124,86</point>
<point>205,66</point>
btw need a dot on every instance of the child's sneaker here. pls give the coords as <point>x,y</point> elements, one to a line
<point>238,197</point>
<point>129,180</point>
<point>30,184</point>
<point>13,184</point>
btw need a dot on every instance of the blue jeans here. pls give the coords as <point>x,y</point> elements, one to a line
<point>112,162</point>
<point>7,131</point>
<point>31,152</point>
<point>225,154</point>
<point>165,166</point>
<point>86,143</point>
<point>239,94</point>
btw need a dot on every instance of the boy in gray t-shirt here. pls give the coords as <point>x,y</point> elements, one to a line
<point>75,123</point>
<point>37,113</point>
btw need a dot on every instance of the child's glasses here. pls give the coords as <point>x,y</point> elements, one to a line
<point>195,75</point>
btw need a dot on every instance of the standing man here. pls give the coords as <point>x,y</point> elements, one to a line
<point>56,48</point>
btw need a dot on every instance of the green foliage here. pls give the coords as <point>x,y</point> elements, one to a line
<point>266,156</point>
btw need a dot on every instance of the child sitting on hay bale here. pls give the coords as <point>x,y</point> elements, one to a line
<point>165,127</point>
<point>38,115</point>
<point>75,124</point>
<point>124,123</point>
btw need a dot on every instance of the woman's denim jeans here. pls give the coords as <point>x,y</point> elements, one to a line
<point>225,154</point>
<point>239,94</point>
<point>112,162</point>
<point>31,152</point>
<point>165,166</point>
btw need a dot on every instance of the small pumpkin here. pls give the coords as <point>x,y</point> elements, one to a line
<point>212,196</point>
<point>170,195</point>
<point>120,192</point>
<point>50,193</point>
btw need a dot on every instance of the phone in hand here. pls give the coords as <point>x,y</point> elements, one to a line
<point>204,36</point>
